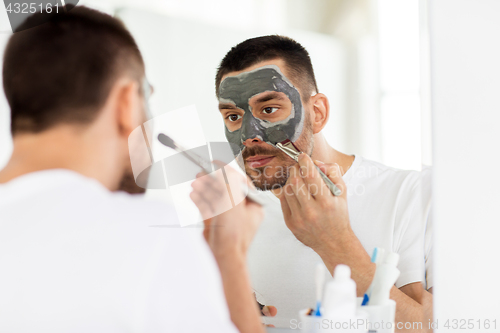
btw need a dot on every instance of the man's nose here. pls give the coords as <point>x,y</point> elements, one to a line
<point>251,132</point>
<point>252,142</point>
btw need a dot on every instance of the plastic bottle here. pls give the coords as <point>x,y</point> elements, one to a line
<point>340,295</point>
<point>384,279</point>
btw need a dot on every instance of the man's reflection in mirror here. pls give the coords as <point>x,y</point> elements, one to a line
<point>267,84</point>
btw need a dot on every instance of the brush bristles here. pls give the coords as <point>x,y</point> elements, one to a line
<point>167,141</point>
<point>289,144</point>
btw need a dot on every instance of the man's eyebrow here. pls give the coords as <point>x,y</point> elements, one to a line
<point>269,96</point>
<point>223,106</point>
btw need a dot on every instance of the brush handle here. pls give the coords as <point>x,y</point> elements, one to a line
<point>334,189</point>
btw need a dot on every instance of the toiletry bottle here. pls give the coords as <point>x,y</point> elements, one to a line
<point>386,276</point>
<point>339,302</point>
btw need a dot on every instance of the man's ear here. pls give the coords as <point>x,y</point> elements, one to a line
<point>321,112</point>
<point>128,106</point>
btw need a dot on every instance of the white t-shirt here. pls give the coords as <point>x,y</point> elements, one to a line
<point>75,257</point>
<point>387,209</point>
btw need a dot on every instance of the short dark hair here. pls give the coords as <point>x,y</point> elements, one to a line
<point>255,50</point>
<point>62,71</point>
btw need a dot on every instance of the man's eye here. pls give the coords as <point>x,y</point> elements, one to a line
<point>233,117</point>
<point>269,110</point>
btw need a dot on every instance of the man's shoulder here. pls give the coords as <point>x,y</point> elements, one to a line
<point>377,178</point>
<point>137,206</point>
<point>369,170</point>
<point>79,196</point>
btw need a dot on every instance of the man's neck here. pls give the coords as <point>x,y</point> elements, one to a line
<point>325,153</point>
<point>65,147</point>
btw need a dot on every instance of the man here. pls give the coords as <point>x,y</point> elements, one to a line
<point>267,93</point>
<point>74,256</point>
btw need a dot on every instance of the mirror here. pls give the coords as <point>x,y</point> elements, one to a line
<point>370,61</point>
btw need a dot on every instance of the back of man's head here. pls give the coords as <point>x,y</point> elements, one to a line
<point>62,71</point>
<point>255,50</point>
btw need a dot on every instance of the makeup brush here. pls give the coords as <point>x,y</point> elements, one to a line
<point>196,159</point>
<point>279,140</point>
<point>207,167</point>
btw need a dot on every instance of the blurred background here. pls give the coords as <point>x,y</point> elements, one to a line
<point>369,56</point>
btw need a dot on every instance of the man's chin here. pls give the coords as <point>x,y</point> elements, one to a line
<point>268,177</point>
<point>263,183</point>
<point>128,184</point>
<point>266,186</point>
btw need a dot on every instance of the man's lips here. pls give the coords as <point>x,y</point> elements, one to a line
<point>258,161</point>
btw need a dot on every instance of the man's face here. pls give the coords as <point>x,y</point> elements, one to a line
<point>259,105</point>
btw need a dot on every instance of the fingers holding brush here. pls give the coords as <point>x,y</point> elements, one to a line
<point>315,216</point>
<point>210,195</point>
<point>229,229</point>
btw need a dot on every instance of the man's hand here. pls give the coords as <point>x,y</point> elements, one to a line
<point>314,215</point>
<point>229,231</point>
<point>320,220</point>
<point>269,311</point>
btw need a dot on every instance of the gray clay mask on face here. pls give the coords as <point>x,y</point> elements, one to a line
<point>239,89</point>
